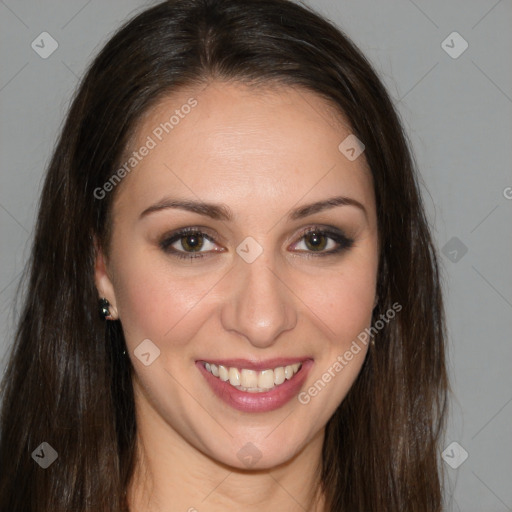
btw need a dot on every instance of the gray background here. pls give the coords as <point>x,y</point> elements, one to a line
<point>458,114</point>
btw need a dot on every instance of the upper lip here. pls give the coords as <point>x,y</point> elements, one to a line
<point>256,365</point>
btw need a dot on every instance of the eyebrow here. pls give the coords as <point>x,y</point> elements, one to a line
<point>223,212</point>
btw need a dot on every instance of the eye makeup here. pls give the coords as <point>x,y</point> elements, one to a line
<point>318,241</point>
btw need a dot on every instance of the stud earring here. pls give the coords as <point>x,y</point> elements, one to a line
<point>104,309</point>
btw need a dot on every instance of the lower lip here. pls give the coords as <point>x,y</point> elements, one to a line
<point>257,402</point>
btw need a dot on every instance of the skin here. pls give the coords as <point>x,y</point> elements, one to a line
<point>262,153</point>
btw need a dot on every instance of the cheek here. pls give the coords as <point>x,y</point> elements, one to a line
<point>345,300</point>
<point>345,306</point>
<point>153,302</point>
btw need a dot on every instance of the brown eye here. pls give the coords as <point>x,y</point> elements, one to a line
<point>315,241</point>
<point>189,243</point>
<point>193,242</point>
<point>318,241</point>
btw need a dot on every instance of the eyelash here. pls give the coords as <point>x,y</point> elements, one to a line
<point>338,237</point>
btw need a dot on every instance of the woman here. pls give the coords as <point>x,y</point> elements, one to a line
<point>233,191</point>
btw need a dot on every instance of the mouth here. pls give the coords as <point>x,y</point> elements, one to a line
<point>255,386</point>
<point>253,381</point>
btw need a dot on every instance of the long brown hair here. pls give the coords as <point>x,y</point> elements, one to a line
<point>66,382</point>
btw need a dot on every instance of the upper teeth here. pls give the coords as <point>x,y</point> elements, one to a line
<point>251,380</point>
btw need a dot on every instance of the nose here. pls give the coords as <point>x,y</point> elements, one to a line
<point>260,306</point>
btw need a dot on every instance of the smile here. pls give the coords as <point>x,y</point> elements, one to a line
<point>255,387</point>
<point>253,381</point>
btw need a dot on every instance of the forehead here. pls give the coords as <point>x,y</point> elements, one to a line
<point>227,141</point>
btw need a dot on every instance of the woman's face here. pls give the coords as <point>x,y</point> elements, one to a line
<point>276,270</point>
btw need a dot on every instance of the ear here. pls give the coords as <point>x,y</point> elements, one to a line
<point>103,281</point>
